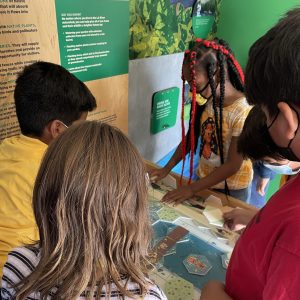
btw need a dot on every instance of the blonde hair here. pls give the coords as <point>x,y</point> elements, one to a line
<point>90,205</point>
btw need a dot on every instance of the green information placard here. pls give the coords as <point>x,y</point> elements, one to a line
<point>93,37</point>
<point>202,25</point>
<point>203,17</point>
<point>164,109</point>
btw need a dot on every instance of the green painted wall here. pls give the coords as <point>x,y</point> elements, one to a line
<point>243,21</point>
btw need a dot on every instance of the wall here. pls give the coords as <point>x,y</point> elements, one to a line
<point>157,27</point>
<point>147,76</point>
<point>243,21</point>
<point>91,41</point>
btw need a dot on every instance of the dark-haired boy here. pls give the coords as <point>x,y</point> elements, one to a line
<point>48,99</point>
<point>266,260</point>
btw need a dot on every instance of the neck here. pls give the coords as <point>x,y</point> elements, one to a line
<point>42,138</point>
<point>231,94</point>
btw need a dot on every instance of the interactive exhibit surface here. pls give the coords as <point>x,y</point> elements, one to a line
<point>190,246</point>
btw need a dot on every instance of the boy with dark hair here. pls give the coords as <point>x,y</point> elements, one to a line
<point>266,260</point>
<point>48,99</point>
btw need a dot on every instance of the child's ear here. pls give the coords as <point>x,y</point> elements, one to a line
<point>290,118</point>
<point>55,128</point>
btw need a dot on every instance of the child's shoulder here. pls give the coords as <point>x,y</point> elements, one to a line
<point>25,258</point>
<point>240,107</point>
<point>154,292</point>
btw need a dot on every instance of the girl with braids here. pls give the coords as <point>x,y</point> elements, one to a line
<point>213,74</point>
<point>91,207</point>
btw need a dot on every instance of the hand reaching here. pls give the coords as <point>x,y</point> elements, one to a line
<point>179,195</point>
<point>238,218</point>
<point>158,174</point>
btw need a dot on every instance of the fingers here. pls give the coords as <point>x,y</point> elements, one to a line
<point>173,197</point>
<point>153,172</point>
<point>228,224</point>
<point>230,219</point>
<point>229,215</point>
<point>157,174</point>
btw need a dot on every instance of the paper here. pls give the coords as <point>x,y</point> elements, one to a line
<point>214,216</point>
<point>213,201</point>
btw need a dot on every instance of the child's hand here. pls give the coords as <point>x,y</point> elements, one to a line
<point>179,195</point>
<point>261,185</point>
<point>238,218</point>
<point>214,290</point>
<point>158,174</point>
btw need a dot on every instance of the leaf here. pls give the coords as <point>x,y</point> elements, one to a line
<point>159,24</point>
<point>156,28</point>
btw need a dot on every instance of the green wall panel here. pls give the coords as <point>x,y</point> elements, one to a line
<point>243,21</point>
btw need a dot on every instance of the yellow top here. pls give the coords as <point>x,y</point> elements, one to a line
<point>234,116</point>
<point>20,158</point>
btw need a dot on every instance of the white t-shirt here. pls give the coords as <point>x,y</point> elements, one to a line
<point>22,261</point>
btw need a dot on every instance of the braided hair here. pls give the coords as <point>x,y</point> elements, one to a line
<point>210,55</point>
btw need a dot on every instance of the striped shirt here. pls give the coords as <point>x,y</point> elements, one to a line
<point>22,261</point>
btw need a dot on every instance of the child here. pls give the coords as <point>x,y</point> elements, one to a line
<point>90,205</point>
<point>266,162</point>
<point>266,260</point>
<point>213,73</point>
<point>48,99</point>
<point>251,144</point>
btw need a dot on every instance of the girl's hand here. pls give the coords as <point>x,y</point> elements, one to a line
<point>158,174</point>
<point>179,195</point>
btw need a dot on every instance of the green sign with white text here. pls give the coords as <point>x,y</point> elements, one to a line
<point>93,37</point>
<point>164,109</point>
<point>203,19</point>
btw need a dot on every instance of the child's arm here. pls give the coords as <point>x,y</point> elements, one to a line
<point>158,174</point>
<point>230,167</point>
<point>214,290</point>
<point>262,171</point>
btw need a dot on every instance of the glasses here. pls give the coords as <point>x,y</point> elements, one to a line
<point>64,124</point>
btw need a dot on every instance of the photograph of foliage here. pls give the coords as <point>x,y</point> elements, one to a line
<point>159,27</point>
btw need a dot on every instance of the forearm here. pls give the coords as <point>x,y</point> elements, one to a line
<point>218,175</point>
<point>214,290</point>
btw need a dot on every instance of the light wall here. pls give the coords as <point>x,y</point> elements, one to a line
<point>147,76</point>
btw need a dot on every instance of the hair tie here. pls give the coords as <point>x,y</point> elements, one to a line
<point>206,43</point>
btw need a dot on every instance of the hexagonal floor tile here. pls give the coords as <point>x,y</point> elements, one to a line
<point>179,289</point>
<point>197,264</point>
<point>168,214</point>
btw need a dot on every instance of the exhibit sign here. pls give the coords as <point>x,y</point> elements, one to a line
<point>164,109</point>
<point>203,19</point>
<point>89,38</point>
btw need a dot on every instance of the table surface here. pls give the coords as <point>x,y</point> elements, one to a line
<point>172,271</point>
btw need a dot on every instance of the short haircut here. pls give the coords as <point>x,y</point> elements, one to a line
<point>252,142</point>
<point>273,69</point>
<point>45,92</point>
